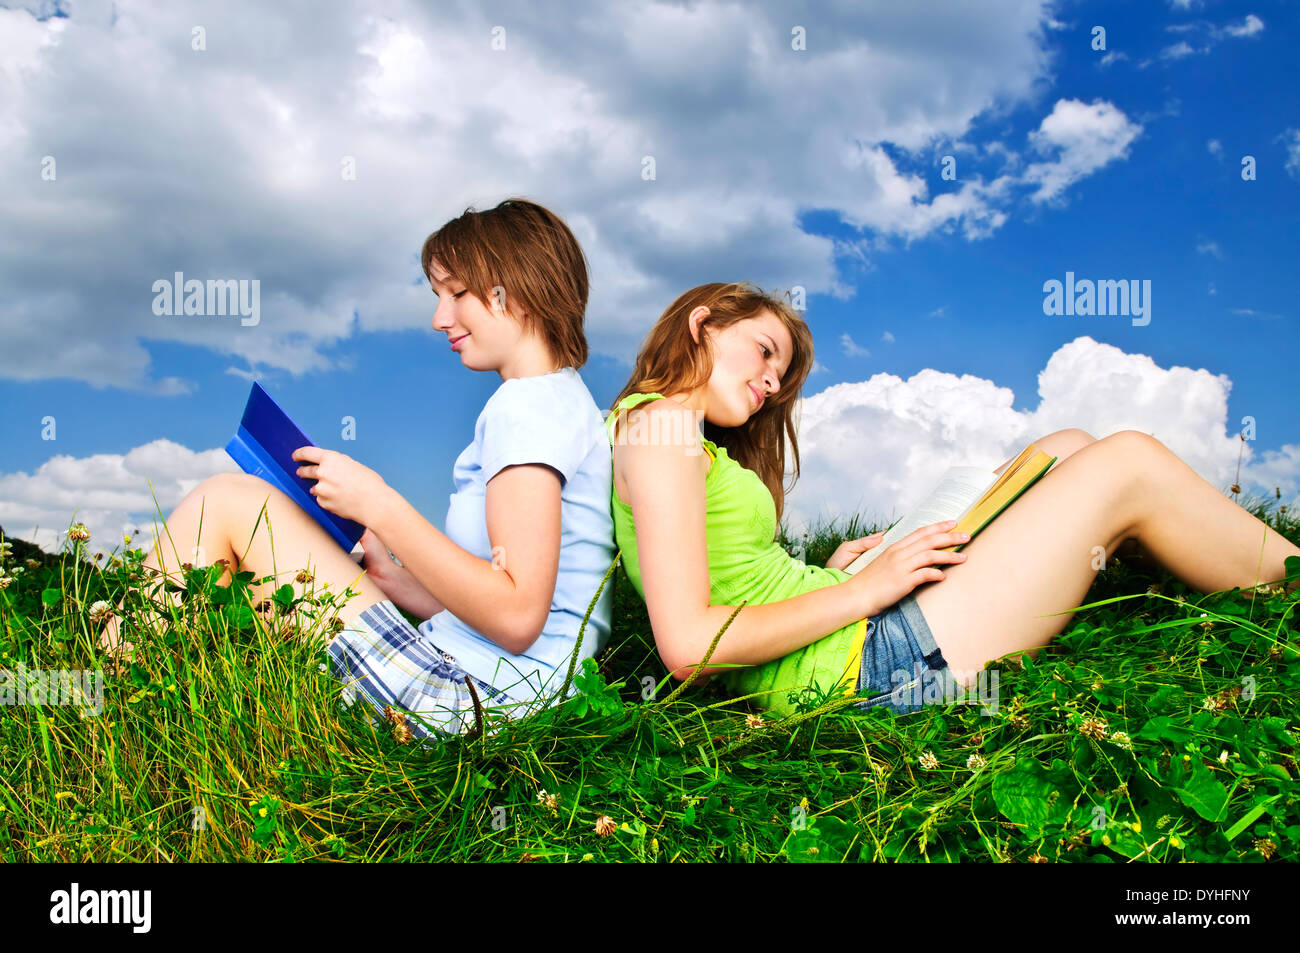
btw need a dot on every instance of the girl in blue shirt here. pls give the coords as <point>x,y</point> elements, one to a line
<point>529,532</point>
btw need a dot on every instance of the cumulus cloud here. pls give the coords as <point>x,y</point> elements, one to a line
<point>232,160</point>
<point>109,492</point>
<point>876,447</point>
<point>1087,137</point>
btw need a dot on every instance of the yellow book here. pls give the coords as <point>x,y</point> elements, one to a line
<point>973,496</point>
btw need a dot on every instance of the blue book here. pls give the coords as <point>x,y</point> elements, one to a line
<point>264,446</point>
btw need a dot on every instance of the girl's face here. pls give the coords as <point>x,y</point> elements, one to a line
<point>749,359</point>
<point>486,339</point>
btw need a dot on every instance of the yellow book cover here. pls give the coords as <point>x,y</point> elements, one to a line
<point>973,496</point>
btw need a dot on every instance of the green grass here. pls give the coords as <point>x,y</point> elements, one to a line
<point>225,741</point>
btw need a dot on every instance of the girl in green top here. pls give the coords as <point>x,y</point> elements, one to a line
<point>700,436</point>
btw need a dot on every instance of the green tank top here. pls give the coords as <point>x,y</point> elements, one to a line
<point>746,562</point>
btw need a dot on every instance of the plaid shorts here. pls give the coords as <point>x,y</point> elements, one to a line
<point>385,660</point>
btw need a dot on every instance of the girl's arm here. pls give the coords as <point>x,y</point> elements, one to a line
<point>666,491</point>
<point>508,599</point>
<point>396,581</point>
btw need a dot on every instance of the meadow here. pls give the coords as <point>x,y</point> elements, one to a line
<point>1159,727</point>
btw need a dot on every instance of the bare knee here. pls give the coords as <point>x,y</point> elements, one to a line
<point>235,489</point>
<point>1133,441</point>
<point>1076,437</point>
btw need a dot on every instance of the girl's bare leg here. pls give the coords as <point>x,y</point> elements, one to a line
<point>226,507</point>
<point>1039,556</point>
<point>1061,444</point>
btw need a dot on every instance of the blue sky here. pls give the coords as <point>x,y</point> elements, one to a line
<point>818,167</point>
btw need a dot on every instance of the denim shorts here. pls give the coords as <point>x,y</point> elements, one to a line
<point>902,667</point>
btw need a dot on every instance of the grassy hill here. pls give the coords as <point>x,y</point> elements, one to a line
<point>1161,726</point>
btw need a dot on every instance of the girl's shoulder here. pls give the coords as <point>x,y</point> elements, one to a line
<point>636,407</point>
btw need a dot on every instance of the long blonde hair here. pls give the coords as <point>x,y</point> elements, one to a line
<point>670,361</point>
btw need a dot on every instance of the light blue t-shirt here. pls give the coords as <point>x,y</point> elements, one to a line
<point>549,419</point>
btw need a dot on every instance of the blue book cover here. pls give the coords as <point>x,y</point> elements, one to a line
<point>264,446</point>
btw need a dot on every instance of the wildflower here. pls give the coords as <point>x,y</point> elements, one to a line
<point>303,576</point>
<point>605,826</point>
<point>1176,842</point>
<point>261,812</point>
<point>1093,728</point>
<point>1155,589</point>
<point>1215,703</point>
<point>32,563</point>
<point>5,581</point>
<point>1096,686</point>
<point>1223,756</point>
<point>100,610</point>
<point>78,533</point>
<point>975,762</point>
<point>1163,821</point>
<point>1121,740</point>
<point>401,731</point>
<point>929,762</point>
<point>1037,858</point>
<point>753,721</point>
<point>1265,847</point>
<point>549,801</point>
<point>1019,721</point>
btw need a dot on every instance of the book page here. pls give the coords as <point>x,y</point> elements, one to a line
<point>957,492</point>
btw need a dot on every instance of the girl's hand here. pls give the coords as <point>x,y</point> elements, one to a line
<point>343,486</point>
<point>907,564</point>
<point>396,582</point>
<point>851,549</point>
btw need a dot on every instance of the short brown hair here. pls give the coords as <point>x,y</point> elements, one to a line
<point>671,361</point>
<point>529,251</point>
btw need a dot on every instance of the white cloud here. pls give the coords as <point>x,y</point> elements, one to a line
<point>891,439</point>
<point>887,336</point>
<point>851,348</point>
<point>106,491</point>
<point>227,161</point>
<point>1215,147</point>
<point>1209,247</point>
<point>1113,56</point>
<point>1179,50</point>
<point>1291,139</point>
<point>1247,27</point>
<point>1088,137</point>
<point>1250,25</point>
